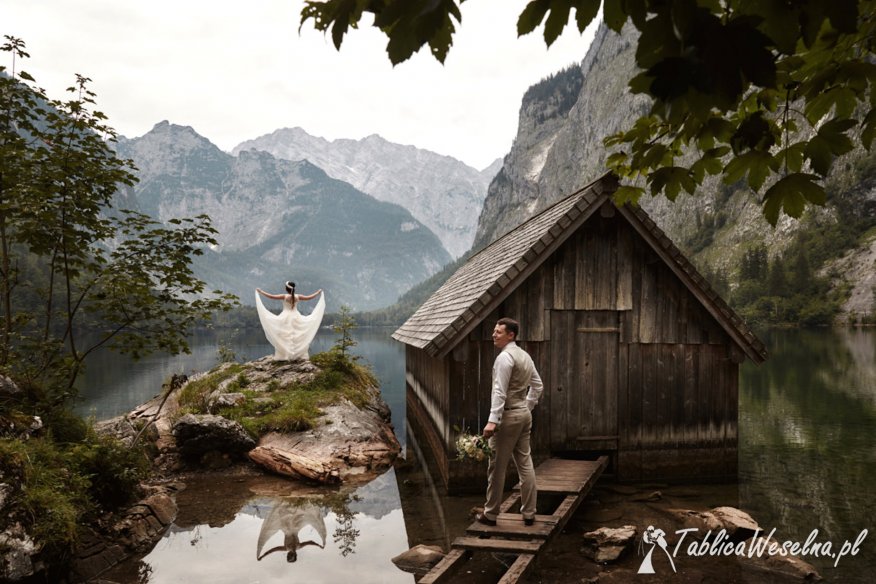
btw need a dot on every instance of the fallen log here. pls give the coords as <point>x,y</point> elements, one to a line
<point>297,466</point>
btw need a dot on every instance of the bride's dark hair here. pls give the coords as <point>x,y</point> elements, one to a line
<point>290,287</point>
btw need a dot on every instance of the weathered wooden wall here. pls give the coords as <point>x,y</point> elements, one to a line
<point>428,403</point>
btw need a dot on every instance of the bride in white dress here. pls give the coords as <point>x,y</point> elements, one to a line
<point>290,332</point>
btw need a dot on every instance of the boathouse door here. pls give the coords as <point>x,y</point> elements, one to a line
<point>584,380</point>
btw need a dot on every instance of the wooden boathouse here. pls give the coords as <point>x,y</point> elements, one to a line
<point>640,357</point>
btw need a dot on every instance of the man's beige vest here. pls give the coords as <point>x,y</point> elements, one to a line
<point>521,376</point>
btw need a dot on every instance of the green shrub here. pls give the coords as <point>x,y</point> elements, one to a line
<point>65,426</point>
<point>113,469</point>
<point>51,497</point>
<point>60,486</point>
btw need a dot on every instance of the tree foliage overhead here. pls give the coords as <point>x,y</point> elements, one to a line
<point>69,261</point>
<point>770,92</point>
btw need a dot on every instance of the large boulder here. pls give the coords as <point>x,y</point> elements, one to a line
<point>199,434</point>
<point>137,530</point>
<point>738,524</point>
<point>8,388</point>
<point>419,559</point>
<point>608,544</point>
<point>17,554</point>
<point>783,568</point>
<point>348,443</point>
<point>119,427</point>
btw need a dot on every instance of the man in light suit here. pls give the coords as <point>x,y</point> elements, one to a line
<point>516,389</point>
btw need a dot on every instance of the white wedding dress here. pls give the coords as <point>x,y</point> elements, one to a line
<point>290,332</point>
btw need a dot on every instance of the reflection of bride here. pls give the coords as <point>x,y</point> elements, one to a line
<point>290,332</point>
<point>291,519</point>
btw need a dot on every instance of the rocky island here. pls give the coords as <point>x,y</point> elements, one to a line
<point>321,421</point>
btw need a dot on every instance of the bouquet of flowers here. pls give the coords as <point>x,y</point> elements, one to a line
<point>472,446</point>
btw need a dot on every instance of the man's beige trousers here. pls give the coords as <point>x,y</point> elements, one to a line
<point>511,442</point>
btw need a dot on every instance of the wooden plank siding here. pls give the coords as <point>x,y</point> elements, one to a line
<point>427,382</point>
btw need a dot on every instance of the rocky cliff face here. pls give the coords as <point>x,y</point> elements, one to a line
<point>559,149</point>
<point>441,192</point>
<point>281,220</point>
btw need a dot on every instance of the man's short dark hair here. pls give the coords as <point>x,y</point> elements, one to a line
<point>511,325</point>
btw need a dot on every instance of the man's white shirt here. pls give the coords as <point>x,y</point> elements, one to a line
<point>502,368</point>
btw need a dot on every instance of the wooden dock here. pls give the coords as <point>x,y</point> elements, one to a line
<point>571,479</point>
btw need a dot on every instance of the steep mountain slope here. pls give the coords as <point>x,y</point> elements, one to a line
<point>441,192</point>
<point>281,220</point>
<point>559,149</point>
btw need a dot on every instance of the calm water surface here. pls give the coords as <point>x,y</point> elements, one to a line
<point>807,460</point>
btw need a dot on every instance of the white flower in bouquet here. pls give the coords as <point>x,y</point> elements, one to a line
<point>474,447</point>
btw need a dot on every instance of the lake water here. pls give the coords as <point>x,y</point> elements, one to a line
<point>807,460</point>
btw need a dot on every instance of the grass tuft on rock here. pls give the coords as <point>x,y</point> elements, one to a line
<point>194,394</point>
<point>297,407</point>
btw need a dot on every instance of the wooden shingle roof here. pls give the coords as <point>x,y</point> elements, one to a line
<point>489,276</point>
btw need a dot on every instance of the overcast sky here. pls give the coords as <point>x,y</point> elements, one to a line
<point>235,70</point>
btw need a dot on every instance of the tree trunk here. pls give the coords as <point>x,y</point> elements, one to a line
<point>294,465</point>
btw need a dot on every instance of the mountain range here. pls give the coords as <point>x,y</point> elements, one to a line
<point>441,192</point>
<point>280,220</point>
<point>368,219</point>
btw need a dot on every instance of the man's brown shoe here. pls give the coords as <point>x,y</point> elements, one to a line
<point>481,518</point>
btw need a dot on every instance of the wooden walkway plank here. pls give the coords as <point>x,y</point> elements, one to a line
<point>573,478</point>
<point>520,566</point>
<point>444,570</point>
<point>497,545</point>
<point>512,500</point>
<point>511,525</point>
<point>567,476</point>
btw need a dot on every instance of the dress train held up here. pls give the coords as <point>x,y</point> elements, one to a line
<point>290,332</point>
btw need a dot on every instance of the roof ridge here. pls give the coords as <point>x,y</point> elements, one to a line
<point>556,203</point>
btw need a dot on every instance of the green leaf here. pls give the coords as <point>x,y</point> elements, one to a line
<point>556,20</point>
<point>655,156</point>
<point>791,194</point>
<point>830,142</point>
<point>843,14</point>
<point>637,11</point>
<point>818,153</point>
<point>707,164</point>
<point>628,194</point>
<point>791,158</point>
<point>715,128</point>
<point>778,18</point>
<point>532,16</point>
<point>641,83</point>
<point>670,180</point>
<point>682,14</point>
<point>613,14</point>
<point>616,159</point>
<point>754,163</point>
<point>755,132</point>
<point>613,140</point>
<point>585,12</point>
<point>819,106</point>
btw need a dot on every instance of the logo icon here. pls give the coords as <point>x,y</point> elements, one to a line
<point>655,537</point>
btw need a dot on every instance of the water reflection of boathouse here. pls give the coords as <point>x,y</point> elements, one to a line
<point>640,357</point>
